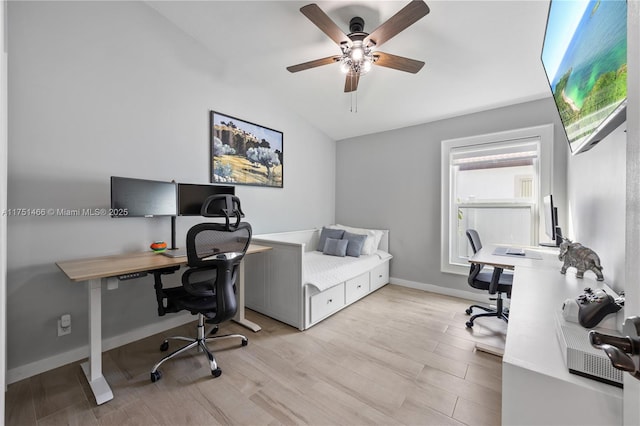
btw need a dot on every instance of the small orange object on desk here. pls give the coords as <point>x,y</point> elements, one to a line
<point>158,246</point>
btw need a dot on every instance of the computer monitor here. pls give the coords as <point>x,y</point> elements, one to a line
<point>551,226</point>
<point>142,198</point>
<point>191,196</point>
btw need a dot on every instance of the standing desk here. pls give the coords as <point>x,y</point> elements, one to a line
<point>94,270</point>
<point>537,388</point>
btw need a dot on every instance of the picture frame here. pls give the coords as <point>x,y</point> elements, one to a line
<point>245,153</point>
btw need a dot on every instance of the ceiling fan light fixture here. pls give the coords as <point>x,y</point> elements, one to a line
<point>345,64</point>
<point>357,53</point>
<point>357,59</point>
<point>366,66</point>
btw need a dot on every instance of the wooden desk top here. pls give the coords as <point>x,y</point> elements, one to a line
<point>119,264</point>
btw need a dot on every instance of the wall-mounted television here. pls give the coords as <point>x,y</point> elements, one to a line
<point>585,58</point>
<point>192,195</point>
<point>132,197</point>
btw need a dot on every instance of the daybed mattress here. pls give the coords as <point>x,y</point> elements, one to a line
<point>323,271</point>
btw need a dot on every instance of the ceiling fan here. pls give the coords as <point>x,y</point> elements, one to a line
<point>359,48</point>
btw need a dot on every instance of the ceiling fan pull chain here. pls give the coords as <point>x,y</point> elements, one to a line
<point>356,93</point>
<point>352,94</point>
<point>351,97</point>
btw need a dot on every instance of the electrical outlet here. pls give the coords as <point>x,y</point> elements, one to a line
<point>64,325</point>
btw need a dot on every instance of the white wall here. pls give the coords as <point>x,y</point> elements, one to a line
<point>597,203</point>
<point>111,88</point>
<point>632,232</point>
<point>391,180</point>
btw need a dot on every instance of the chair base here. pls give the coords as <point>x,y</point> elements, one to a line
<point>499,312</point>
<point>199,342</point>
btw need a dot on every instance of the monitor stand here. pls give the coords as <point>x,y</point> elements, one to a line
<point>548,245</point>
<point>173,234</point>
<point>557,241</point>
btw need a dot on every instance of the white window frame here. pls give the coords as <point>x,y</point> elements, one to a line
<point>545,135</point>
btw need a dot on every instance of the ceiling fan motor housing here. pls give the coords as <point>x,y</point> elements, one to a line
<point>356,25</point>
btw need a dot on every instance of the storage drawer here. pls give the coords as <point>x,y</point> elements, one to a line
<point>356,287</point>
<point>327,302</point>
<point>379,276</point>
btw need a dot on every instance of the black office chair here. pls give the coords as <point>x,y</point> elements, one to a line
<point>496,282</point>
<point>214,253</point>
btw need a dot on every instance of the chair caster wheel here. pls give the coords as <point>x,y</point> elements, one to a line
<point>155,376</point>
<point>469,324</point>
<point>164,346</point>
<point>216,373</point>
<point>213,331</point>
<point>468,311</point>
<point>245,342</point>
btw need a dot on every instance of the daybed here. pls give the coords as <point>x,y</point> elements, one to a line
<point>300,286</point>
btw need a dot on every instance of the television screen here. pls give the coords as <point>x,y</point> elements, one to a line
<point>191,196</point>
<point>142,198</point>
<point>585,58</point>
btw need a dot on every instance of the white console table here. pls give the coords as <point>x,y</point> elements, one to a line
<point>537,388</point>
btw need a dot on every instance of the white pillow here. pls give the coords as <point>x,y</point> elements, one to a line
<point>372,242</point>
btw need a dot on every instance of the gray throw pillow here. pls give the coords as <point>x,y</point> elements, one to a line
<point>356,242</point>
<point>335,247</point>
<point>328,233</point>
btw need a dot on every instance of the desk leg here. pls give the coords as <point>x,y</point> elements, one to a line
<point>239,317</point>
<point>93,368</point>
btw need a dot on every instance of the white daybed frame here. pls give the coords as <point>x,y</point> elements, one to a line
<point>275,284</point>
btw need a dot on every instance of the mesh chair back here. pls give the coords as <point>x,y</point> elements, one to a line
<point>476,245</point>
<point>208,243</point>
<point>473,276</point>
<point>214,253</point>
<point>474,239</point>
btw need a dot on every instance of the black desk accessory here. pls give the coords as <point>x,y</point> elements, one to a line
<point>593,306</point>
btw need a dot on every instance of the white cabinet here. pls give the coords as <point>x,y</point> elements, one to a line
<point>537,387</point>
<point>356,288</point>
<point>379,276</point>
<point>321,305</point>
<point>325,303</point>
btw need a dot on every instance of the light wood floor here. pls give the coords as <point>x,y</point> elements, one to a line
<point>398,356</point>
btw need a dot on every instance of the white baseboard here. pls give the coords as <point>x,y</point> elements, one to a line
<point>28,370</point>
<point>463,294</point>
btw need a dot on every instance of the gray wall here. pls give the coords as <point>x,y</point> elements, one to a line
<point>111,88</point>
<point>391,180</point>
<point>597,203</point>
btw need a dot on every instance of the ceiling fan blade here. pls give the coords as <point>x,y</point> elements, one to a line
<point>406,17</point>
<point>397,62</point>
<point>313,64</point>
<point>326,25</point>
<point>351,83</point>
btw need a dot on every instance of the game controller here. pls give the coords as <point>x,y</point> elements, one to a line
<point>593,306</point>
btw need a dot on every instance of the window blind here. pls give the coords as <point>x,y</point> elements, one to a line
<point>503,154</point>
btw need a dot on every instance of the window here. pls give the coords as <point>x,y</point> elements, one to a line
<point>493,183</point>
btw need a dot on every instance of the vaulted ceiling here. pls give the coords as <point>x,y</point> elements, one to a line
<point>479,55</point>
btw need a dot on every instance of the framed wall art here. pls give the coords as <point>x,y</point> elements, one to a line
<point>245,153</point>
